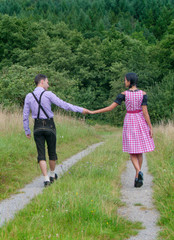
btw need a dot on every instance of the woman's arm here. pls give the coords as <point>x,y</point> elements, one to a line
<point>106,109</point>
<point>147,118</point>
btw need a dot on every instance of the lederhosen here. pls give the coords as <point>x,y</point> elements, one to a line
<point>44,130</point>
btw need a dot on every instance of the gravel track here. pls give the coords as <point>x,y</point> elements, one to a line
<point>139,202</point>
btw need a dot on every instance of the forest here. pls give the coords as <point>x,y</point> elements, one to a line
<point>85,48</point>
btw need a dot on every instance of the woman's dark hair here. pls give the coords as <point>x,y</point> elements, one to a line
<point>38,78</point>
<point>132,78</point>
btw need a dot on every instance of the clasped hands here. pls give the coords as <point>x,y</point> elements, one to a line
<point>86,111</point>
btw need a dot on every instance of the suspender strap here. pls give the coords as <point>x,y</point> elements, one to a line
<point>38,114</point>
<point>40,106</point>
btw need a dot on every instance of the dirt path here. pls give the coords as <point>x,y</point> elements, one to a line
<point>9,207</point>
<point>139,202</point>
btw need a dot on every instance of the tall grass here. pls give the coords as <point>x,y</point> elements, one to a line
<point>10,122</point>
<point>18,155</point>
<point>161,163</point>
<point>81,205</point>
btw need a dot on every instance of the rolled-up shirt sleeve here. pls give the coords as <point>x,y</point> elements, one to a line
<point>62,104</point>
<point>26,113</point>
<point>144,102</point>
<point>120,98</point>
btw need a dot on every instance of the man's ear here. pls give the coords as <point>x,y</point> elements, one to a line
<point>41,81</point>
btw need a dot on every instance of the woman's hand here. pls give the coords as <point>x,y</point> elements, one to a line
<point>151,132</point>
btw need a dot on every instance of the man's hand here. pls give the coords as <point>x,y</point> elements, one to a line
<point>28,136</point>
<point>86,111</point>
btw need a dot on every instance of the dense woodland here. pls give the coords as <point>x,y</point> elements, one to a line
<point>85,47</point>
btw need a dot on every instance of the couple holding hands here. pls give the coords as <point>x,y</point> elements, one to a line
<point>137,128</point>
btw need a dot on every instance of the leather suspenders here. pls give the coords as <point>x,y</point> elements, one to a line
<point>40,106</point>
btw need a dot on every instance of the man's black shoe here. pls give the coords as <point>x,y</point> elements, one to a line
<point>138,183</point>
<point>46,183</point>
<point>53,178</point>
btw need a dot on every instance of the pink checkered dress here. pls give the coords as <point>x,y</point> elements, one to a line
<point>136,137</point>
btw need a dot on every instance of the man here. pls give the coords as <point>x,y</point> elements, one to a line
<point>39,102</point>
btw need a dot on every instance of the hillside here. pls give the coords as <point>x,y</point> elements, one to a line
<point>86,62</point>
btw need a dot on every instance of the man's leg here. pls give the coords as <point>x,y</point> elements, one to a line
<point>43,167</point>
<point>53,175</point>
<point>52,164</point>
<point>51,144</point>
<point>40,144</point>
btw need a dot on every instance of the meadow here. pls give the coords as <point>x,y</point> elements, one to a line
<point>83,203</point>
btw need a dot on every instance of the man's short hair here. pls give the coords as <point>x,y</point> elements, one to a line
<point>38,78</point>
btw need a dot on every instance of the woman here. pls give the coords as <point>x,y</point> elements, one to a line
<point>137,128</point>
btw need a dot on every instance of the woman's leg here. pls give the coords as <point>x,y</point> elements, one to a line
<point>140,159</point>
<point>135,161</point>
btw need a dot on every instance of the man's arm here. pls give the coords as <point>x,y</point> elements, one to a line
<point>26,113</point>
<point>67,106</point>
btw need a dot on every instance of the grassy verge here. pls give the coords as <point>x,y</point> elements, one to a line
<point>18,154</point>
<point>161,163</point>
<point>81,205</point>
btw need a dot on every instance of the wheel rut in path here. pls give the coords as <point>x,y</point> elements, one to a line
<point>9,207</point>
<point>139,202</point>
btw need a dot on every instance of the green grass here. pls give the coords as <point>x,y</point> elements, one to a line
<point>18,155</point>
<point>81,205</point>
<point>161,163</point>
<point>138,204</point>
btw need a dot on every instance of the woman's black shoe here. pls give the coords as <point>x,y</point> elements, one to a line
<point>140,176</point>
<point>138,183</point>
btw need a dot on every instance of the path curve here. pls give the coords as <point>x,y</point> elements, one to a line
<point>139,202</point>
<point>9,207</point>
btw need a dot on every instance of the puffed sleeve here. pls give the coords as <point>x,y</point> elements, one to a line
<point>120,98</point>
<point>144,102</point>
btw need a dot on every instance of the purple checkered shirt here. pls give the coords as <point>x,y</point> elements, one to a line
<point>47,99</point>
